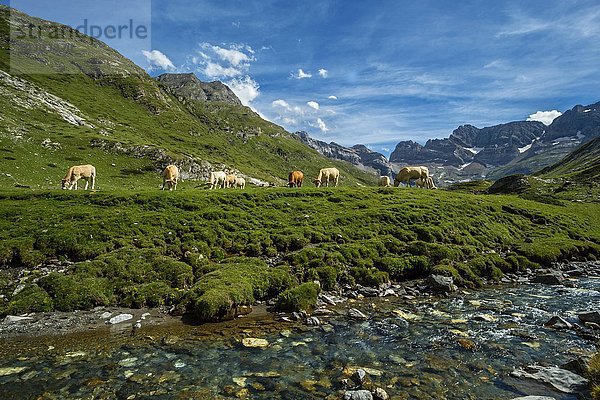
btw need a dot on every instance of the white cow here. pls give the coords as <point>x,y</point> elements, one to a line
<point>170,177</point>
<point>218,179</point>
<point>327,174</point>
<point>385,181</point>
<point>240,183</point>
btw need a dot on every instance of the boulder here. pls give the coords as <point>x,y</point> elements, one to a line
<point>255,343</point>
<point>380,394</point>
<point>534,398</point>
<point>440,284</point>
<point>359,376</point>
<point>553,278</point>
<point>510,184</point>
<point>356,314</point>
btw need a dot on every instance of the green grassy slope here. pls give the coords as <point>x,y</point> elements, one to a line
<point>210,252</point>
<point>122,104</point>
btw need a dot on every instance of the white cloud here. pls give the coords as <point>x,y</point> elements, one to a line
<point>233,55</point>
<point>214,70</point>
<point>332,98</point>
<point>300,74</point>
<point>281,103</point>
<point>157,59</point>
<point>545,117</point>
<point>323,73</point>
<point>313,104</point>
<point>322,126</point>
<point>245,88</point>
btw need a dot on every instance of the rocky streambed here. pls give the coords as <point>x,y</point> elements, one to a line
<point>485,344</point>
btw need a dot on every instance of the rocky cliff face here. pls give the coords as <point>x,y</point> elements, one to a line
<point>188,86</point>
<point>358,155</point>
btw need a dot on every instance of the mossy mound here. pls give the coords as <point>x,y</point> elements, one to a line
<point>299,298</point>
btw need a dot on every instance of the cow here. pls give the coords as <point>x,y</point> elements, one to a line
<point>170,177</point>
<point>384,181</point>
<point>327,174</point>
<point>295,179</point>
<point>217,179</point>
<point>408,173</point>
<point>240,183</point>
<point>230,181</point>
<point>427,183</point>
<point>77,172</point>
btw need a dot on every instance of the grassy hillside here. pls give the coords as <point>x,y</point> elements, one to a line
<point>126,109</point>
<point>208,253</point>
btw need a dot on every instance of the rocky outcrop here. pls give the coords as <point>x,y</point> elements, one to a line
<point>510,185</point>
<point>358,155</point>
<point>579,121</point>
<point>189,87</point>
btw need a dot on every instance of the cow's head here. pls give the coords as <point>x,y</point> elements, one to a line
<point>66,184</point>
<point>317,182</point>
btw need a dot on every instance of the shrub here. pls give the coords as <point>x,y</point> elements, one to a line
<point>299,298</point>
<point>327,276</point>
<point>153,294</point>
<point>31,299</point>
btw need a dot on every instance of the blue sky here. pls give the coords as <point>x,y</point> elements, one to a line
<point>372,72</point>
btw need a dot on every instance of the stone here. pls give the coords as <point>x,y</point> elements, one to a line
<point>120,318</point>
<point>106,315</point>
<point>440,284</point>
<point>367,291</point>
<point>327,299</point>
<point>356,314</point>
<point>553,278</point>
<point>255,343</point>
<point>11,319</point>
<point>560,379</point>
<point>592,317</point>
<point>358,395</point>
<point>380,394</point>
<point>557,322</point>
<point>11,370</point>
<point>389,292</point>
<point>313,321</point>
<point>534,398</point>
<point>359,376</point>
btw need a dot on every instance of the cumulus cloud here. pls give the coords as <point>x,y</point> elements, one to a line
<point>236,55</point>
<point>313,104</point>
<point>214,70</point>
<point>301,74</point>
<point>322,126</point>
<point>219,62</point>
<point>323,73</point>
<point>545,117</point>
<point>245,88</point>
<point>157,59</point>
<point>281,103</point>
<point>332,98</point>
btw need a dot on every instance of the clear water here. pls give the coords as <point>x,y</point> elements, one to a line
<point>419,360</point>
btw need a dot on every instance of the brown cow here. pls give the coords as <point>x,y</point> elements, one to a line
<point>85,172</point>
<point>170,177</point>
<point>408,173</point>
<point>296,178</point>
<point>230,181</point>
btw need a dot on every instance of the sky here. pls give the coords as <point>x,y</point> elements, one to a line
<point>373,73</point>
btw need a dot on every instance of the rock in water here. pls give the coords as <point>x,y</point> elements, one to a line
<point>440,284</point>
<point>356,314</point>
<point>549,279</point>
<point>593,317</point>
<point>358,395</point>
<point>380,394</point>
<point>359,376</point>
<point>560,379</point>
<point>557,322</point>
<point>534,398</point>
<point>254,342</point>
<point>13,318</point>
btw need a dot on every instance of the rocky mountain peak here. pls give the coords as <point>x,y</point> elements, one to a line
<point>577,122</point>
<point>189,87</point>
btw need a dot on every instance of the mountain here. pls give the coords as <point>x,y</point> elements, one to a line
<point>574,127</point>
<point>72,99</point>
<point>359,155</point>
<point>581,165</point>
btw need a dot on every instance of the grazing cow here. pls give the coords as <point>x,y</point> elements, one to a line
<point>230,181</point>
<point>327,174</point>
<point>427,183</point>
<point>170,177</point>
<point>408,173</point>
<point>385,181</point>
<point>85,172</point>
<point>296,178</point>
<point>240,183</point>
<point>217,179</point>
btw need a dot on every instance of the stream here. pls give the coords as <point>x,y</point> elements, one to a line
<point>459,347</point>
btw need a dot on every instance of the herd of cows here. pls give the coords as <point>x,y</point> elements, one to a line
<point>221,180</point>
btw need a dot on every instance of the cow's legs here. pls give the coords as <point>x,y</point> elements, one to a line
<point>93,182</point>
<point>87,184</point>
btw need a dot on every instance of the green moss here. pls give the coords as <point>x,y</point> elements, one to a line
<point>238,282</point>
<point>153,294</point>
<point>31,299</point>
<point>406,267</point>
<point>77,292</point>
<point>594,376</point>
<point>327,276</point>
<point>369,276</point>
<point>299,298</point>
<point>489,266</point>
